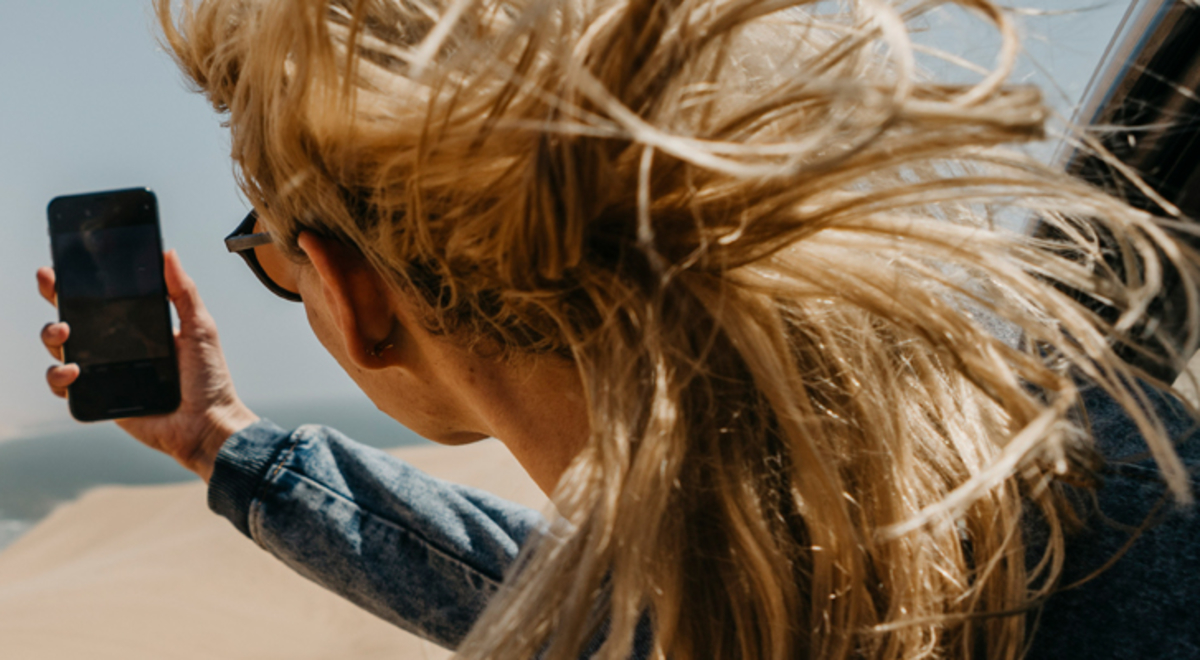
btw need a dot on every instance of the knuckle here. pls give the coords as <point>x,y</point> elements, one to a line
<point>207,328</point>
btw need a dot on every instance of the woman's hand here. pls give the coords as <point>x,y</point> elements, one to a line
<point>210,410</point>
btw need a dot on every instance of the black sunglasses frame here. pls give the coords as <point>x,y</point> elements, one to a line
<point>242,241</point>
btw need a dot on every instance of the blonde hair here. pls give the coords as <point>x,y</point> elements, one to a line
<point>769,242</point>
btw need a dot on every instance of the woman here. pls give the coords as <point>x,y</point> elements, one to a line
<point>726,278</point>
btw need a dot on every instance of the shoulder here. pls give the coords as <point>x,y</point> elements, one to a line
<point>1147,602</point>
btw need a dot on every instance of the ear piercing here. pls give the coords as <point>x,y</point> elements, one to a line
<point>380,349</point>
<point>386,343</point>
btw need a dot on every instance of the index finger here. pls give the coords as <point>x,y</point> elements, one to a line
<point>45,279</point>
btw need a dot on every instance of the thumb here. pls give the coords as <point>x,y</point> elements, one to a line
<point>182,291</point>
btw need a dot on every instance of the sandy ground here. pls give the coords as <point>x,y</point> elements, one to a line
<point>149,573</point>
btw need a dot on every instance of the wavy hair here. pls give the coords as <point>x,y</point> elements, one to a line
<point>771,244</point>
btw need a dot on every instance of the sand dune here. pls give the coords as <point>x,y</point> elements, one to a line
<point>150,573</point>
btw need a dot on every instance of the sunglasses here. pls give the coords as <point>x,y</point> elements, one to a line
<point>263,256</point>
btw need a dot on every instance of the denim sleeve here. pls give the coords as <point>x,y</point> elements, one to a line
<point>417,551</point>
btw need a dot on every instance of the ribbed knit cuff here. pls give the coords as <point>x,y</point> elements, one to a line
<point>240,467</point>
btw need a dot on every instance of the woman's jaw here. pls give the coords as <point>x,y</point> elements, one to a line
<point>434,385</point>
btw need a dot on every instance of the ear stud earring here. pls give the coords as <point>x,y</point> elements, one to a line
<point>380,349</point>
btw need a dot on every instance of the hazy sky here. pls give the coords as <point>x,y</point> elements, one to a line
<point>88,101</point>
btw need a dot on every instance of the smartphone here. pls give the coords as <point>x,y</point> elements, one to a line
<point>108,262</point>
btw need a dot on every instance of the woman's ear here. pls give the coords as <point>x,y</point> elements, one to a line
<point>359,301</point>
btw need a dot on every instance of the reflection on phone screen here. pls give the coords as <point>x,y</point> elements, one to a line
<point>110,288</point>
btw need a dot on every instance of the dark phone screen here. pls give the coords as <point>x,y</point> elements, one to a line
<point>110,289</point>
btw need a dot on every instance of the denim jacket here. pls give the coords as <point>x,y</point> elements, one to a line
<point>422,553</point>
<point>427,555</point>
